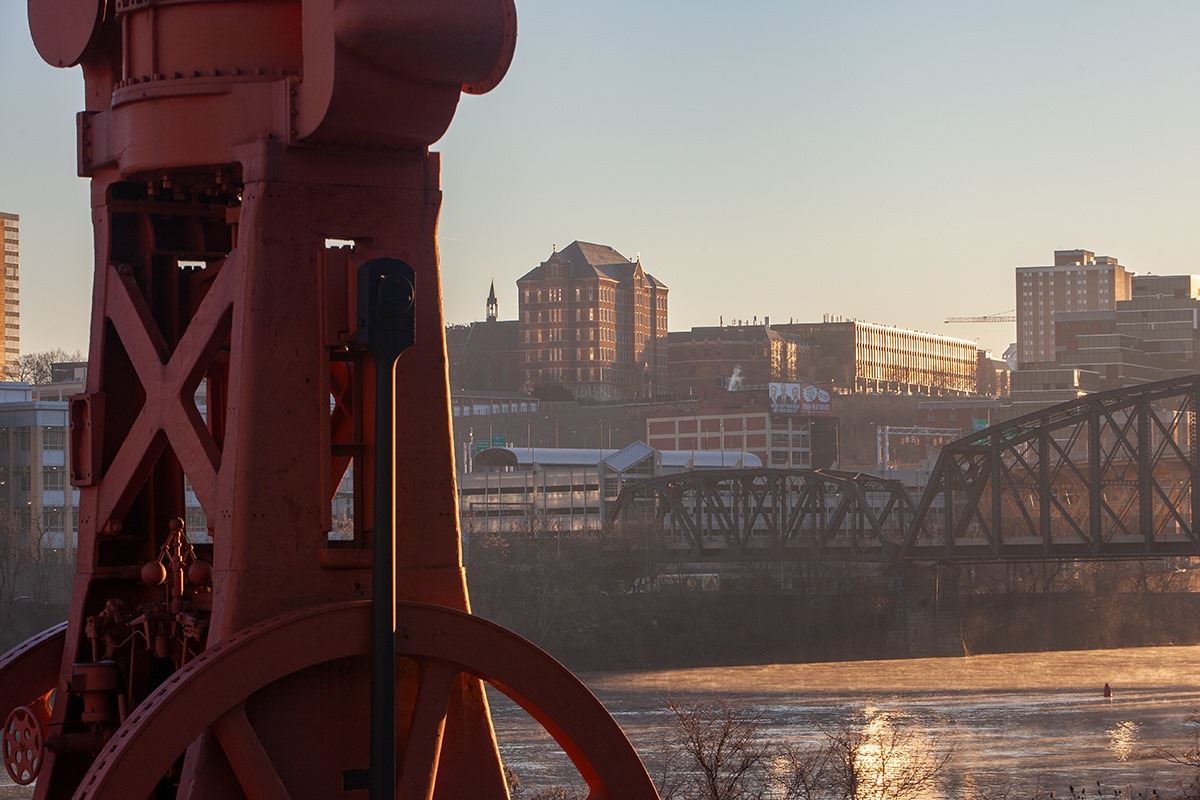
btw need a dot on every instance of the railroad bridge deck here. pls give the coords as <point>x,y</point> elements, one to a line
<point>1107,476</point>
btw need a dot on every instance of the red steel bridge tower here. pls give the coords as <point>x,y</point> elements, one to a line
<point>234,147</point>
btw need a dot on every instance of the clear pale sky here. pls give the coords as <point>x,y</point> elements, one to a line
<point>888,161</point>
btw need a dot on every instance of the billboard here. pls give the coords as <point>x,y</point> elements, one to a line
<point>800,398</point>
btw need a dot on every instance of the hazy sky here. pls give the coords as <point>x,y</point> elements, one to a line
<point>889,161</point>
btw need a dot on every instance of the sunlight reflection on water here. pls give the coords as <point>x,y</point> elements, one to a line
<point>1017,722</point>
<point>1123,740</point>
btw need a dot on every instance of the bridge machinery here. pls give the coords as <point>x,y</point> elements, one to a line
<point>234,147</point>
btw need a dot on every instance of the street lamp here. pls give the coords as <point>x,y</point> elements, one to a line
<point>471,449</point>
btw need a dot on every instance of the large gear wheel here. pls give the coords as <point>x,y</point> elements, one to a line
<point>210,694</point>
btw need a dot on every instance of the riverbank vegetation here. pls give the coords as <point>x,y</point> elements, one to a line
<point>722,751</point>
<point>568,593</point>
<point>34,582</point>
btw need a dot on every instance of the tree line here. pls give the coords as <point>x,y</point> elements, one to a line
<point>38,368</point>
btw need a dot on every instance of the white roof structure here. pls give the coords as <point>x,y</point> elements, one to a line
<point>710,459</point>
<point>617,460</point>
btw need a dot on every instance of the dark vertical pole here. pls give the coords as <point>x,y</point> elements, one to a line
<point>948,503</point>
<point>383,593</point>
<point>1045,490</point>
<point>1193,417</point>
<point>995,470</point>
<point>385,310</point>
<point>1145,473</point>
<point>1095,478</point>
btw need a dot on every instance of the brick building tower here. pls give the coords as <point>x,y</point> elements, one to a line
<point>594,322</point>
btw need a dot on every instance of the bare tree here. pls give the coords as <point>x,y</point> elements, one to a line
<point>20,595</point>
<point>877,759</point>
<point>803,771</point>
<point>36,368</point>
<point>557,793</point>
<point>1188,756</point>
<point>725,750</point>
<point>518,792</point>
<point>14,557</point>
<point>52,567</point>
<point>722,753</point>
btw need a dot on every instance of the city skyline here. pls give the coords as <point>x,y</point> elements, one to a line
<point>874,162</point>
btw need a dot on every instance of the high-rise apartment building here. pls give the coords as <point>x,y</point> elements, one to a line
<point>594,322</point>
<point>11,293</point>
<point>1079,280</point>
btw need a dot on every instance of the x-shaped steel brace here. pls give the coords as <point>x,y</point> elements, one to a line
<point>169,380</point>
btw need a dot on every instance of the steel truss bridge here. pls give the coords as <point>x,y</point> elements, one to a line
<point>1107,476</point>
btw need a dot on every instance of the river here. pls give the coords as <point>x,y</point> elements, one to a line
<point>1014,723</point>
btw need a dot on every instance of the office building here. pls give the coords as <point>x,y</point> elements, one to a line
<point>35,489</point>
<point>1037,388</point>
<point>863,357</point>
<point>1164,313</point>
<point>752,355</point>
<point>993,377</point>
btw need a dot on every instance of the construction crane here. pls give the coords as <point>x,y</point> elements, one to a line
<point>1003,316</point>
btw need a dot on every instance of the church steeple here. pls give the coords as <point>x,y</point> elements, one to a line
<point>493,306</point>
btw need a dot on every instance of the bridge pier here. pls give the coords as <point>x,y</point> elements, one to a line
<point>923,611</point>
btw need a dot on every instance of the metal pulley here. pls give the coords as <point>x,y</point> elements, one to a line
<point>23,745</point>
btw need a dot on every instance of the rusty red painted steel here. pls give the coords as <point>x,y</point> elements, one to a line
<point>29,672</point>
<point>227,141</point>
<point>442,641</point>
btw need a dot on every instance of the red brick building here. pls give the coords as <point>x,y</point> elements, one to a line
<point>779,434</point>
<point>750,354</point>
<point>595,323</point>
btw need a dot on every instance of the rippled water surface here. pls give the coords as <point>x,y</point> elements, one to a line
<point>1014,722</point>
